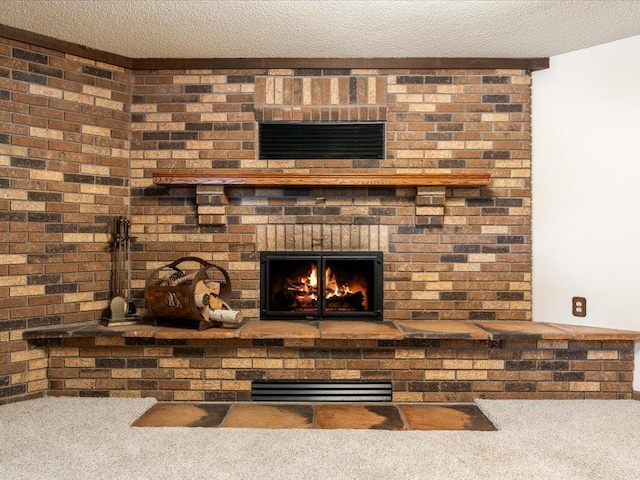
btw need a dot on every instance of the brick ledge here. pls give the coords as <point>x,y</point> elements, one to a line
<point>346,330</point>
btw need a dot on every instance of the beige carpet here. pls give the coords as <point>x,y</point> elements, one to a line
<point>71,438</point>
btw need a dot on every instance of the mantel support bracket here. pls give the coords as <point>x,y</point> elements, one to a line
<point>430,206</point>
<point>212,204</point>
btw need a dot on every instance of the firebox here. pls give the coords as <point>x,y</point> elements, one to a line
<point>320,285</point>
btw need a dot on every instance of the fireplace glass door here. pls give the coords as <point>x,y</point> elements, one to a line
<point>313,285</point>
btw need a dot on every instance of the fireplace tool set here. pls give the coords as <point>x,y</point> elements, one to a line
<point>121,305</point>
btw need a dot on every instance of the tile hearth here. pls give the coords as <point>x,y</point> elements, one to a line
<point>319,416</point>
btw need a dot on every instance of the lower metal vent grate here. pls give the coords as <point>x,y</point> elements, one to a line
<point>321,391</point>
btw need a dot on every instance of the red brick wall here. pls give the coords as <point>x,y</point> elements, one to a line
<point>64,172</point>
<point>420,370</point>
<point>475,266</point>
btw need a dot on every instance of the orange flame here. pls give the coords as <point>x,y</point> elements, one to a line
<point>308,287</point>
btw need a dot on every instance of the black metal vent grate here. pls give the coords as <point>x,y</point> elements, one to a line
<point>305,140</point>
<point>321,391</point>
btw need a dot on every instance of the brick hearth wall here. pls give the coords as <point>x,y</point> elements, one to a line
<point>74,133</point>
<point>420,370</point>
<point>64,173</point>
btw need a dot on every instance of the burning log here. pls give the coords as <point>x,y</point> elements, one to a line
<point>289,300</point>
<point>295,285</point>
<point>350,301</point>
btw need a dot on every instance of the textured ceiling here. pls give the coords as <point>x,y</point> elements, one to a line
<point>328,28</point>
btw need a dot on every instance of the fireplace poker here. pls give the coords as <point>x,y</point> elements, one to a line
<point>131,309</point>
<point>116,251</point>
<point>120,254</point>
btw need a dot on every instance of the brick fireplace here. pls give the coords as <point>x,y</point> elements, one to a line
<point>84,140</point>
<point>459,253</point>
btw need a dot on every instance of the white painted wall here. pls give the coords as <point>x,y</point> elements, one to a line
<point>586,187</point>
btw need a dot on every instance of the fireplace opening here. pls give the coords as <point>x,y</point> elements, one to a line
<point>314,285</point>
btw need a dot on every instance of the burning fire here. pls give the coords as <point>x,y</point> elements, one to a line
<point>332,288</point>
<point>309,284</point>
<point>347,296</point>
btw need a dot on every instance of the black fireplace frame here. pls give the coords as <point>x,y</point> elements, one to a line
<point>376,298</point>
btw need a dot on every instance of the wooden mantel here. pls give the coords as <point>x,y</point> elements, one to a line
<point>280,179</point>
<point>211,195</point>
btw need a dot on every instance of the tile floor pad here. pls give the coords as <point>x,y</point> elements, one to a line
<point>387,416</point>
<point>370,417</point>
<point>257,415</point>
<point>183,415</point>
<point>449,417</point>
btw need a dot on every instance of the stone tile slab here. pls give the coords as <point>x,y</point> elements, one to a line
<point>523,330</point>
<point>183,415</point>
<point>435,329</point>
<point>358,330</point>
<point>173,333</point>
<point>279,329</point>
<point>98,330</point>
<point>445,417</point>
<point>58,331</point>
<point>370,417</point>
<point>582,332</point>
<point>257,415</point>
<point>138,330</point>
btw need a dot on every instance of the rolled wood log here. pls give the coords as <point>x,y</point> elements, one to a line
<point>201,299</point>
<point>215,302</point>
<point>225,316</point>
<point>213,286</point>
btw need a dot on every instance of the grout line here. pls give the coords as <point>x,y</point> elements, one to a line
<point>314,416</point>
<point>224,419</point>
<point>402,416</point>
